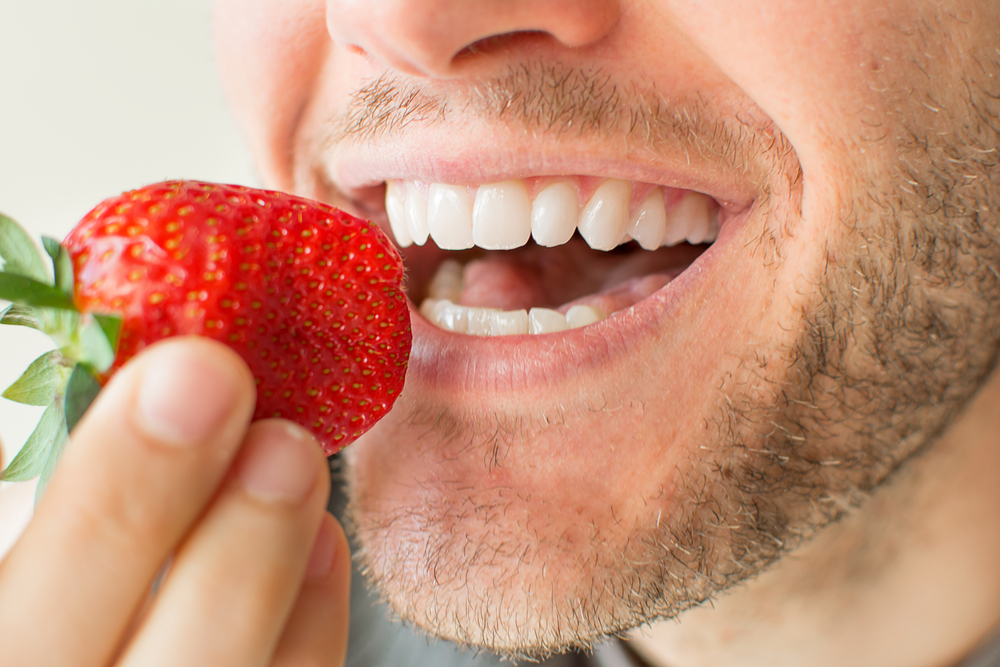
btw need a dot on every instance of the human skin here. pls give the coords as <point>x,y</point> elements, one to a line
<point>165,464</point>
<point>753,452</point>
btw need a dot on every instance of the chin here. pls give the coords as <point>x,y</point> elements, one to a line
<point>537,491</point>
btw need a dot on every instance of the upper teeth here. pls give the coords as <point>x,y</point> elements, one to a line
<point>605,217</point>
<point>502,216</point>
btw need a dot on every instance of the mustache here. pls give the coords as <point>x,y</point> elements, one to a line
<point>555,100</point>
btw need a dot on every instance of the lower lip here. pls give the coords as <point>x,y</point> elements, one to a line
<point>458,362</point>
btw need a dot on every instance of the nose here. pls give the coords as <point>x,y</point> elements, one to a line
<point>423,37</point>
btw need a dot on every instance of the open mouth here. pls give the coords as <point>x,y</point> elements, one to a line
<point>544,254</point>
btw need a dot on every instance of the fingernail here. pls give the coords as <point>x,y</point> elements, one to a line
<point>184,396</point>
<point>277,465</point>
<point>323,551</point>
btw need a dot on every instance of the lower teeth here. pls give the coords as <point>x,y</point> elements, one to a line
<point>495,322</point>
<point>575,275</point>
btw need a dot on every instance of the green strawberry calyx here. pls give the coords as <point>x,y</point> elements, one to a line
<point>64,380</point>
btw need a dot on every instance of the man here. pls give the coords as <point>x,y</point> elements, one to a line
<point>757,433</point>
<point>774,443</point>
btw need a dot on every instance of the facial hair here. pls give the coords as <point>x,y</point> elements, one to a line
<point>900,328</point>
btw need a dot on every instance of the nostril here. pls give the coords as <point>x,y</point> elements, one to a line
<point>427,37</point>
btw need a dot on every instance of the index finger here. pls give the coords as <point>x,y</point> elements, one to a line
<point>142,464</point>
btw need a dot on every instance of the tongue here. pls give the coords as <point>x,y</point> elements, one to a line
<point>498,282</point>
<point>570,274</point>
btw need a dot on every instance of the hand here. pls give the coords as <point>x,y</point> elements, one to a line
<point>165,464</point>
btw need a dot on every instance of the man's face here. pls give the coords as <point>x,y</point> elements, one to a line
<point>534,491</point>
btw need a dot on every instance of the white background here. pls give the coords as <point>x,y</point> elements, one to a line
<point>98,97</point>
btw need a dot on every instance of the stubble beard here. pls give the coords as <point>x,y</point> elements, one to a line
<point>900,330</point>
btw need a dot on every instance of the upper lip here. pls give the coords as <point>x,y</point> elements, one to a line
<point>358,172</point>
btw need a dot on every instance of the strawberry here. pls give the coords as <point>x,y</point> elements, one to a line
<point>309,296</point>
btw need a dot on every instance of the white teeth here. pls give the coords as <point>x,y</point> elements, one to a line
<point>554,215</point>
<point>480,320</point>
<point>704,214</point>
<point>495,322</point>
<point>447,282</point>
<point>581,316</point>
<point>699,228</point>
<point>449,216</point>
<point>475,321</point>
<point>649,224</point>
<point>501,216</point>
<point>605,217</point>
<point>713,227</point>
<point>446,315</point>
<point>430,308</point>
<point>689,219</point>
<point>543,320</point>
<point>416,214</point>
<point>509,323</point>
<point>396,210</point>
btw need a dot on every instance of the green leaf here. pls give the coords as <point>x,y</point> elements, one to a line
<point>55,453</point>
<point>95,347</point>
<point>81,391</point>
<point>112,327</point>
<point>39,384</point>
<point>62,265</point>
<point>29,292</point>
<point>33,457</point>
<point>17,315</point>
<point>20,255</point>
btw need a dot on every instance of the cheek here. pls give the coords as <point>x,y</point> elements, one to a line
<point>800,62</point>
<point>809,67</point>
<point>270,54</point>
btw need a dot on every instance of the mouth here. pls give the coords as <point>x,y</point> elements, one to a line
<point>544,255</point>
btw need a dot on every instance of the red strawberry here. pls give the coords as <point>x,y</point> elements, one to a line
<point>309,296</point>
